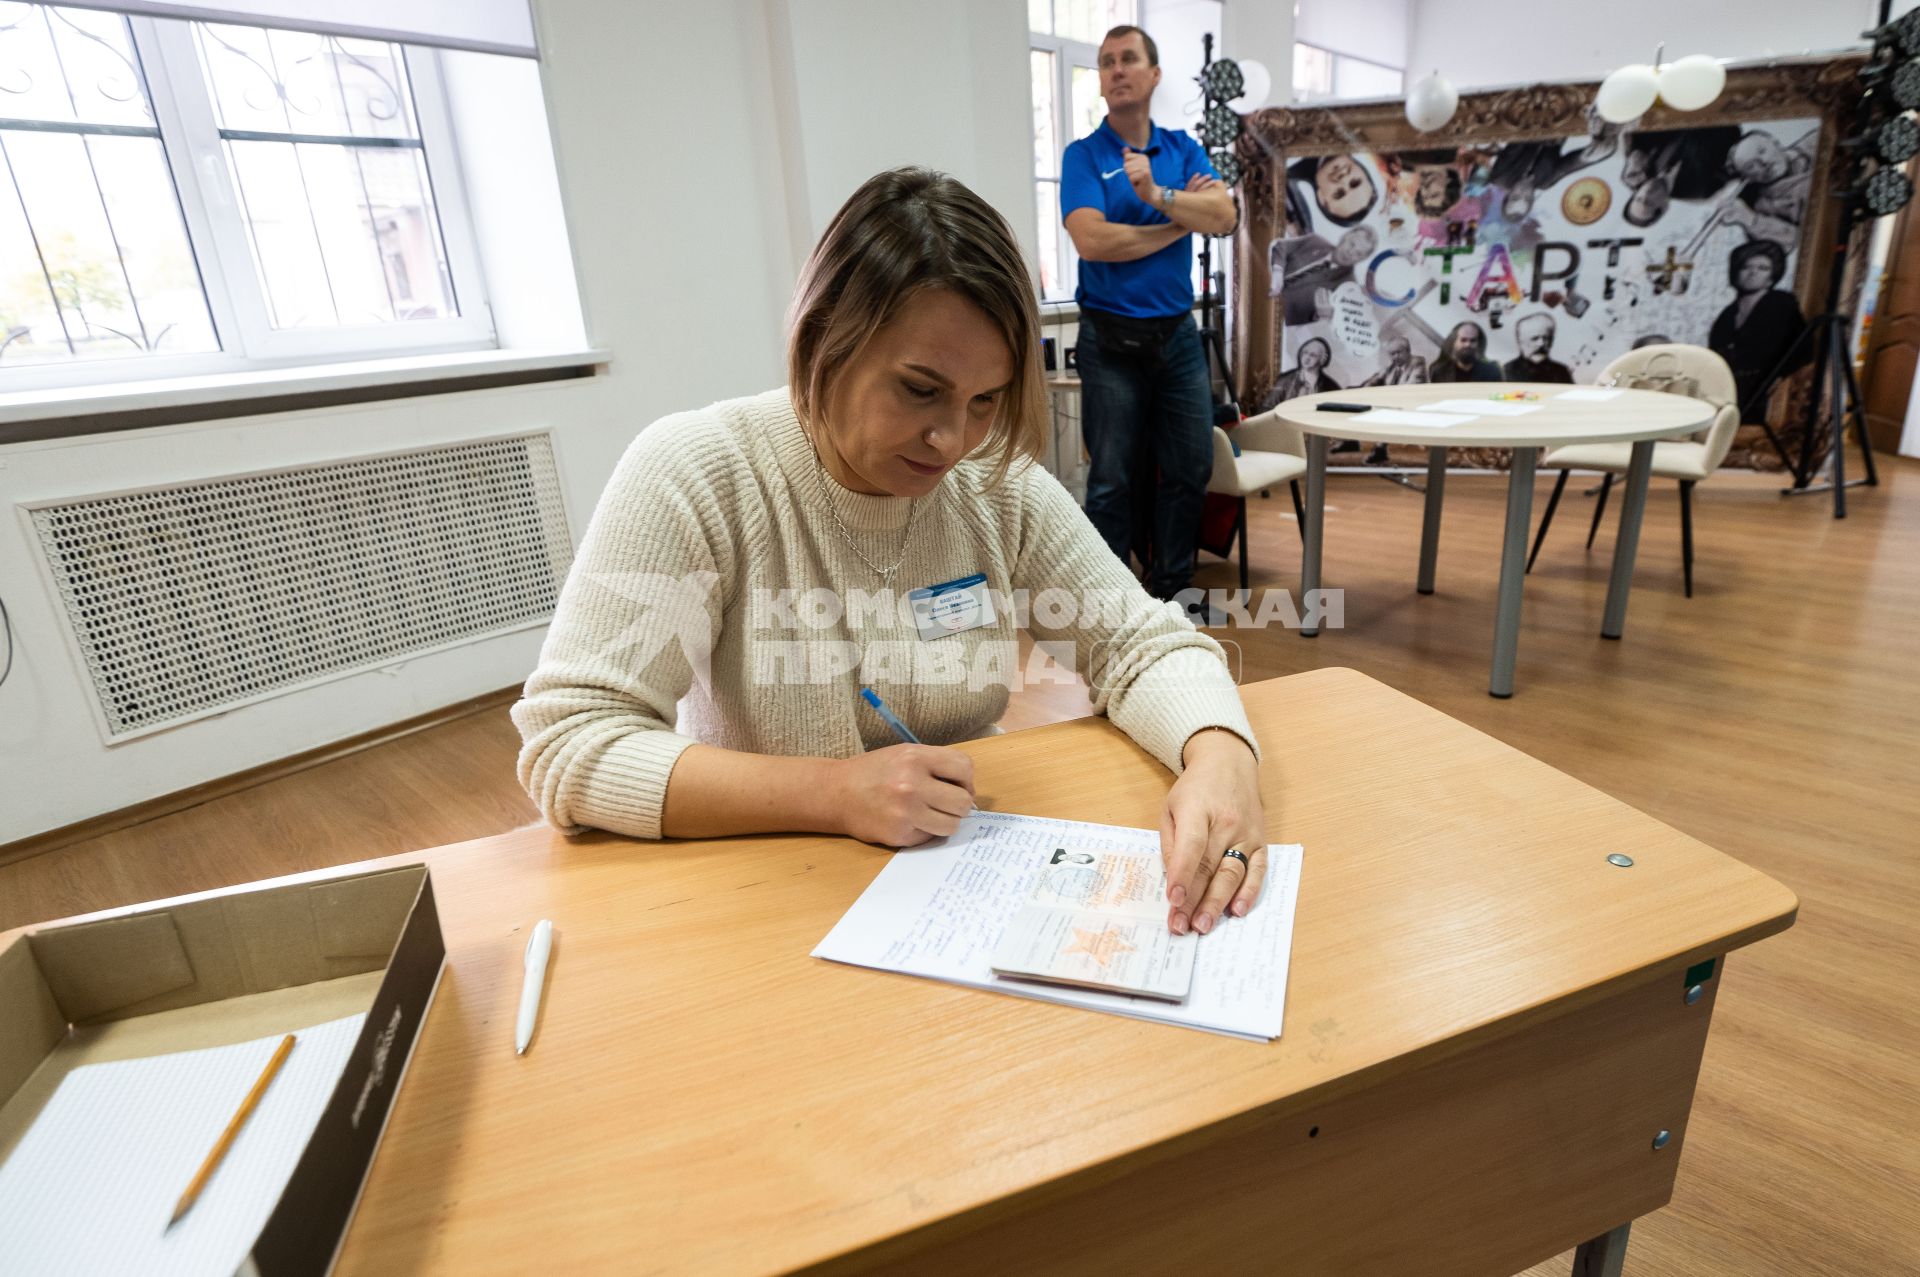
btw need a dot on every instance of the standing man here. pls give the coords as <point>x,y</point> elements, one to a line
<point>1131,196</point>
<point>1534,336</point>
<point>1464,357</point>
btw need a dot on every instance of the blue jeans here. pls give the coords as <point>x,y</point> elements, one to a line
<point>1141,413</point>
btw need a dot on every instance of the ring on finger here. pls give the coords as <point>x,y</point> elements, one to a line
<point>1235,853</point>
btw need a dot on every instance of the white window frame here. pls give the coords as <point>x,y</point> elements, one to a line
<point>217,236</point>
<point>1067,55</point>
<point>1335,57</point>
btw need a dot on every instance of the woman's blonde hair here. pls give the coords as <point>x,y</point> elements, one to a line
<point>903,231</point>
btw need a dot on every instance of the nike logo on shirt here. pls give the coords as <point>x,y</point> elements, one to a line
<point>1115,173</point>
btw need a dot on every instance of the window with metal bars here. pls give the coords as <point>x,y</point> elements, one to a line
<point>181,198</point>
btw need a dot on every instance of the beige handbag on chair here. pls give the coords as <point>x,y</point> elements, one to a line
<point>1652,376</point>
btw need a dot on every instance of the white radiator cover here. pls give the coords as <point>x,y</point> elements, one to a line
<point>187,600</point>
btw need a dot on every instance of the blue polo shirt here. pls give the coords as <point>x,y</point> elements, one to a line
<point>1093,175</point>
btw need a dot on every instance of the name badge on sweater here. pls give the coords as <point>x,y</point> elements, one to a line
<point>952,607</point>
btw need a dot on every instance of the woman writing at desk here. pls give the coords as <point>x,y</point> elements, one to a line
<point>749,565</point>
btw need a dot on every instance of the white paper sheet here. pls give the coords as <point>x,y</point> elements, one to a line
<point>1402,417</point>
<point>1589,394</point>
<point>1488,407</point>
<point>938,911</point>
<point>90,1187</point>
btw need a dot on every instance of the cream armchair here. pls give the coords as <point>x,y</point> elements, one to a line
<point>1687,460</point>
<point>1271,452</point>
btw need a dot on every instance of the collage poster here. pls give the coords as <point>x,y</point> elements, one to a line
<point>1540,260</point>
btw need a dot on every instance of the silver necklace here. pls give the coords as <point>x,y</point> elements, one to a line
<point>913,513</point>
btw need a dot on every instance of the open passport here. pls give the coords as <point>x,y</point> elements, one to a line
<point>941,910</point>
<point>1097,919</point>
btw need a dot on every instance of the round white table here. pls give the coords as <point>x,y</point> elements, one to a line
<point>1629,416</point>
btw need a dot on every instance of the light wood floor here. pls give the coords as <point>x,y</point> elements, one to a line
<point>1773,716</point>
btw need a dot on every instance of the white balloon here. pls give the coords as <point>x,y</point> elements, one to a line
<point>1259,84</point>
<point>1689,83</point>
<point>1431,102</point>
<point>1627,93</point>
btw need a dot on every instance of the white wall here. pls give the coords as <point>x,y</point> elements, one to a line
<point>1478,45</point>
<point>661,115</point>
<point>1177,27</point>
<point>924,82</point>
<point>1376,30</point>
<point>700,148</point>
<point>1262,30</point>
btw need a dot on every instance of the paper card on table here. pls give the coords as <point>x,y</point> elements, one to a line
<point>1491,407</point>
<point>940,910</point>
<point>1588,394</point>
<point>93,1182</point>
<point>1098,920</point>
<point>1415,417</point>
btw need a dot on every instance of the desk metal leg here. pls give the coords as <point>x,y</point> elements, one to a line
<point>1632,506</point>
<point>1513,570</point>
<point>1430,529</point>
<point>1316,517</point>
<point>1603,1256</point>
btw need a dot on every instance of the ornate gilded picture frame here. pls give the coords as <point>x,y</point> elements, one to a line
<point>1529,236</point>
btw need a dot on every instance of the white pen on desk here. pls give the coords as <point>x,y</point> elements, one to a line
<point>539,945</point>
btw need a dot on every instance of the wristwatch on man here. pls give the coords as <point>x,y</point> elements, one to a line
<point>1166,198</point>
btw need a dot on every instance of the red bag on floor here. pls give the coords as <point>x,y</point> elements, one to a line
<point>1219,524</point>
<point>1220,516</point>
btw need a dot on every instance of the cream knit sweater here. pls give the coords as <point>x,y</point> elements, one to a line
<point>715,598</point>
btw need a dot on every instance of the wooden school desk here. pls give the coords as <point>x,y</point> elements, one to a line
<point>1488,1028</point>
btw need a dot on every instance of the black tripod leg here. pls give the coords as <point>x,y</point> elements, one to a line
<point>1803,473</point>
<point>1245,596</point>
<point>1773,437</point>
<point>1686,532</point>
<point>1606,485</point>
<point>1766,388</point>
<point>1837,359</point>
<point>1553,503</point>
<point>1215,349</point>
<point>1860,424</point>
<point>1299,509</point>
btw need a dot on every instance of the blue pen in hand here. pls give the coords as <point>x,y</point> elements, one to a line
<point>892,720</point>
<point>900,729</point>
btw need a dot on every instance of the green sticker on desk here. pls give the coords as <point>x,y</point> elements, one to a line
<point>1700,973</point>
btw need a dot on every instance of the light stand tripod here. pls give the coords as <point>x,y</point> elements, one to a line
<point>1212,339</point>
<point>1827,335</point>
<point>1844,404</point>
<point>1879,140</point>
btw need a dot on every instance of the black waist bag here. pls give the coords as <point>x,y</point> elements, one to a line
<point>1131,335</point>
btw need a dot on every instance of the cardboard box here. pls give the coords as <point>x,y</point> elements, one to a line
<point>223,968</point>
